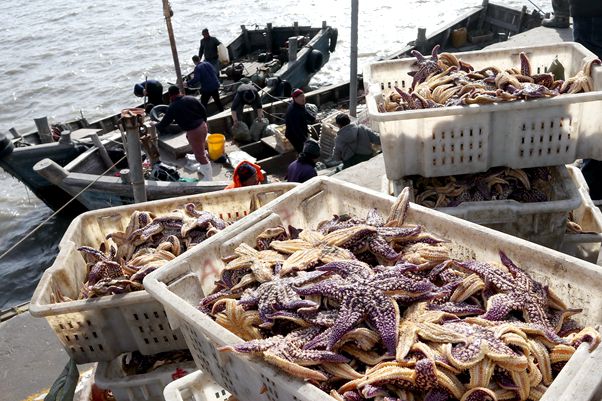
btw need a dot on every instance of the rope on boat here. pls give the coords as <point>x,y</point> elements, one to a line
<point>61,209</point>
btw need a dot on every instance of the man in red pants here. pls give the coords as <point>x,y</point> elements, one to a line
<point>189,113</point>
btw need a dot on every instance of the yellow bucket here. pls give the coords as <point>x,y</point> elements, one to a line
<point>216,145</point>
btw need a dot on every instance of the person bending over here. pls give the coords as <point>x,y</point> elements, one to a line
<point>353,143</point>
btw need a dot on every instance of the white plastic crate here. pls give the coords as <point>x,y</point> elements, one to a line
<point>100,329</point>
<point>143,387</point>
<point>542,222</point>
<point>180,287</point>
<point>587,244</point>
<point>471,139</point>
<point>196,386</point>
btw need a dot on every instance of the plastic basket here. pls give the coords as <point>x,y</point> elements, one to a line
<point>585,245</point>
<point>102,328</point>
<point>196,386</point>
<point>180,287</point>
<point>541,222</point>
<point>142,387</point>
<point>471,139</point>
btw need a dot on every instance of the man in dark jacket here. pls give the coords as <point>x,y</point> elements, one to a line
<point>153,90</point>
<point>296,120</point>
<point>205,76</point>
<point>208,48</point>
<point>246,94</point>
<point>353,144</point>
<point>190,114</point>
<point>587,20</point>
<point>304,167</point>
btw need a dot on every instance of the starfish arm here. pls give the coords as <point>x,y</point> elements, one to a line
<point>498,307</point>
<point>300,260</point>
<point>293,368</point>
<point>306,357</point>
<point>329,288</point>
<point>385,320</point>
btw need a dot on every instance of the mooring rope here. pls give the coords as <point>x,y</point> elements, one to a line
<point>61,209</point>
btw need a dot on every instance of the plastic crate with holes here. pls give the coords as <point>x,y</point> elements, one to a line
<point>585,240</point>
<point>101,328</point>
<point>181,286</point>
<point>540,222</point>
<point>469,139</point>
<point>196,386</point>
<point>130,386</point>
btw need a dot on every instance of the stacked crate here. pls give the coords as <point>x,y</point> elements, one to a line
<point>471,139</point>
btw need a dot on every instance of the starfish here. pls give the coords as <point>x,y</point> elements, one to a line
<point>582,82</point>
<point>261,264</point>
<point>287,353</point>
<point>125,247</point>
<point>425,67</point>
<point>365,295</point>
<point>264,239</point>
<point>313,247</point>
<point>518,291</point>
<point>423,376</point>
<point>472,344</point>
<point>409,327</point>
<point>200,220</point>
<point>278,294</point>
<point>239,321</point>
<point>101,265</point>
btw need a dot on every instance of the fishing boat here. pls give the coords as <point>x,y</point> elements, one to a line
<point>275,59</point>
<point>488,24</point>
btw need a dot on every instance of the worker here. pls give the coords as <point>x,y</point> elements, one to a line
<point>587,17</point>
<point>246,94</point>
<point>190,114</point>
<point>208,49</point>
<point>561,15</point>
<point>205,77</point>
<point>353,143</point>
<point>304,167</point>
<point>296,119</point>
<point>246,174</point>
<point>153,90</point>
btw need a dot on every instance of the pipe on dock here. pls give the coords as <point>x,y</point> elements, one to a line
<point>353,60</point>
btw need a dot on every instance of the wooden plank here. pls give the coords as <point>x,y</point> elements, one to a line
<point>503,25</point>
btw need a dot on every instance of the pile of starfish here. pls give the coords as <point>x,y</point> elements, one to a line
<point>498,183</point>
<point>444,80</point>
<point>375,309</point>
<point>124,258</point>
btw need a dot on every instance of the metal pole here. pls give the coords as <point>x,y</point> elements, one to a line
<point>132,121</point>
<point>353,61</point>
<point>172,41</point>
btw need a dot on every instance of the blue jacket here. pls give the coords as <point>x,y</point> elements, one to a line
<point>205,77</point>
<point>188,112</point>
<point>300,171</point>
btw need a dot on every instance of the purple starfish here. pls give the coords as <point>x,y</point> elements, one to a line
<point>279,294</point>
<point>425,66</point>
<point>518,291</point>
<point>287,352</point>
<point>364,295</point>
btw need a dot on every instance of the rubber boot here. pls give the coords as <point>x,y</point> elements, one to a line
<point>206,171</point>
<point>557,21</point>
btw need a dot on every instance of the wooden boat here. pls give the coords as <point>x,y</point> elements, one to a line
<point>488,24</point>
<point>281,69</point>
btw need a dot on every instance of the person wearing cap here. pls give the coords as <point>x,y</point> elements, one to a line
<point>153,90</point>
<point>205,77</point>
<point>304,167</point>
<point>296,119</point>
<point>246,174</point>
<point>353,143</point>
<point>189,113</point>
<point>208,49</point>
<point>246,94</point>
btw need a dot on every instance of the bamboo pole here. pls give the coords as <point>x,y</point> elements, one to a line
<point>134,153</point>
<point>172,41</point>
<point>353,61</point>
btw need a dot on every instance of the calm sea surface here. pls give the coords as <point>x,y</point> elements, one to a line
<point>63,58</point>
